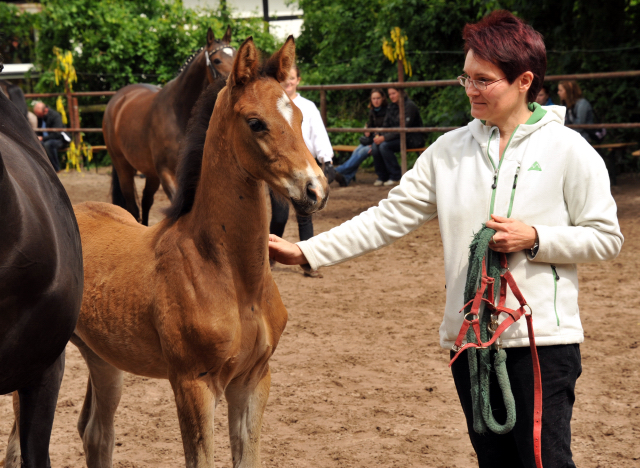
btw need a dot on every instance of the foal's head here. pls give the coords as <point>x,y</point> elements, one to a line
<point>219,55</point>
<point>264,127</point>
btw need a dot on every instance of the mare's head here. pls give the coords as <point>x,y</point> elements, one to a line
<point>264,127</point>
<point>218,55</point>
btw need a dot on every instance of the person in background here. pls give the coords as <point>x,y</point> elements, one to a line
<point>346,172</point>
<point>388,143</point>
<point>52,141</point>
<point>544,96</point>
<point>317,140</point>
<point>579,110</point>
<point>550,206</point>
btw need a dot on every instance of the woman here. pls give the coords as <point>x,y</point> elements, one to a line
<point>388,143</point>
<point>346,172</point>
<point>544,96</point>
<point>579,110</point>
<point>317,140</point>
<point>542,188</point>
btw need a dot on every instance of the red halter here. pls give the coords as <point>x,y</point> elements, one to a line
<point>513,316</point>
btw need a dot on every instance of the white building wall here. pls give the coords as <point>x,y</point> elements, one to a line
<point>246,8</point>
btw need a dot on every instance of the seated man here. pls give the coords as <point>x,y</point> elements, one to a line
<point>52,141</point>
<point>386,145</point>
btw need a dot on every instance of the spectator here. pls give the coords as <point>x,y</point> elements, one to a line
<point>544,96</point>
<point>579,110</point>
<point>387,144</point>
<point>52,141</point>
<point>317,140</point>
<point>562,214</point>
<point>346,172</point>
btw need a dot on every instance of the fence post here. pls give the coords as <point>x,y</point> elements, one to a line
<point>323,106</point>
<point>401,116</point>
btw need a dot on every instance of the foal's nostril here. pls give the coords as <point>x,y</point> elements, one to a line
<point>311,193</point>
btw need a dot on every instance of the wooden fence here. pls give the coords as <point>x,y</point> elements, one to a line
<point>75,128</point>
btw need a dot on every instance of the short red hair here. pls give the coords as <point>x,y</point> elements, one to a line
<point>511,44</point>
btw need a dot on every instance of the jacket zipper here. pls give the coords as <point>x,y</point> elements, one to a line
<point>497,172</point>
<point>513,191</point>
<point>556,278</point>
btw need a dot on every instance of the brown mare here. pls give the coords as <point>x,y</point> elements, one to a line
<point>143,125</point>
<point>192,298</point>
<point>40,285</point>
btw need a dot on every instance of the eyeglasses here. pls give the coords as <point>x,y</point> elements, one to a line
<point>480,85</point>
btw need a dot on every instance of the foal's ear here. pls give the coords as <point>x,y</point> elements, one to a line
<point>280,63</point>
<point>245,65</point>
<point>227,35</point>
<point>210,37</point>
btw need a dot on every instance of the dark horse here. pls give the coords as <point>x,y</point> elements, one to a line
<point>15,95</point>
<point>143,125</point>
<point>41,283</point>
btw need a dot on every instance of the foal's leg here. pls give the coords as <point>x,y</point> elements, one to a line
<point>246,407</point>
<point>196,404</point>
<point>34,408</point>
<point>95,424</point>
<point>150,189</point>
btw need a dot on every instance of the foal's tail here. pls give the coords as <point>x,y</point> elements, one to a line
<point>117,197</point>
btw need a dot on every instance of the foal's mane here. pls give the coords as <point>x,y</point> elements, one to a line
<point>192,149</point>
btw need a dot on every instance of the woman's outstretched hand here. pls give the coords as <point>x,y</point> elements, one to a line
<point>511,235</point>
<point>285,252</point>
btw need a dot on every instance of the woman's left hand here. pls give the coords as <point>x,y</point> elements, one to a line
<point>511,235</point>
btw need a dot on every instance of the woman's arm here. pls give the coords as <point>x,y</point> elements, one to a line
<point>408,206</point>
<point>285,252</point>
<point>594,234</point>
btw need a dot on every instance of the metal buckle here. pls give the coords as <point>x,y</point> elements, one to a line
<point>470,313</point>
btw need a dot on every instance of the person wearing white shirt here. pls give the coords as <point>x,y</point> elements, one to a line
<point>317,141</point>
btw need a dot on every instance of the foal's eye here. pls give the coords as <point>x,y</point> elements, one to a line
<point>217,62</point>
<point>257,125</point>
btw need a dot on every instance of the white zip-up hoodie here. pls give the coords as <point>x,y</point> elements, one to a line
<point>562,190</point>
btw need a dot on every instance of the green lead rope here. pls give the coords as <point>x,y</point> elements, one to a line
<point>480,359</point>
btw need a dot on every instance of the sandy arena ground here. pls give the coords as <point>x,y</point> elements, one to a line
<point>359,379</point>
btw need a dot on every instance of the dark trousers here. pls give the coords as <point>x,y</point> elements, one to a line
<point>52,147</point>
<point>280,215</point>
<point>560,367</point>
<point>385,161</point>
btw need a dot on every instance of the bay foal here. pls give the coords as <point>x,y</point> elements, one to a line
<point>192,298</point>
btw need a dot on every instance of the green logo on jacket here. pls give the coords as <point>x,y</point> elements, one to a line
<point>535,167</point>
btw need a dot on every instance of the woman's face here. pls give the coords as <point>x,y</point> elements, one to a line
<point>376,99</point>
<point>496,103</point>
<point>562,93</point>
<point>542,97</point>
<point>290,85</point>
<point>394,95</point>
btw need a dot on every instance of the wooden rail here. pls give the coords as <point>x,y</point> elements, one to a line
<point>75,128</point>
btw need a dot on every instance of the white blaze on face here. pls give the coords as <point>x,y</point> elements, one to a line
<point>228,51</point>
<point>284,107</point>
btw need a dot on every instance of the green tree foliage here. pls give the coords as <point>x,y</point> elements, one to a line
<point>341,42</point>
<point>117,42</point>
<point>16,35</point>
